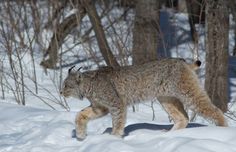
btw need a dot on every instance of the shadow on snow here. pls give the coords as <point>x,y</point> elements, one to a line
<point>147,126</point>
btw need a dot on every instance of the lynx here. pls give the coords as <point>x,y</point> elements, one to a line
<point>172,81</point>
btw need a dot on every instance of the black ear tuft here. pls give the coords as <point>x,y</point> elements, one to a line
<point>79,69</point>
<point>71,69</point>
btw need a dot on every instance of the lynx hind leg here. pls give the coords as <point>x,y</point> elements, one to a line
<point>195,98</point>
<point>207,109</point>
<point>84,116</point>
<point>118,114</point>
<point>176,111</point>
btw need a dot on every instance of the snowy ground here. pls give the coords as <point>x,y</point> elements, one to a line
<point>27,129</point>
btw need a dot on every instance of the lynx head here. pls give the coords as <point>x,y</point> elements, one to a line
<point>72,85</point>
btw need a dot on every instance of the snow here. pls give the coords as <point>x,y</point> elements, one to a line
<point>27,129</point>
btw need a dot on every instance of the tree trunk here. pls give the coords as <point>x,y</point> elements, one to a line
<point>217,29</point>
<point>232,6</point>
<point>146,31</point>
<point>99,33</point>
<point>234,50</point>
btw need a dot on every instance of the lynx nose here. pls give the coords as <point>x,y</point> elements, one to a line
<point>61,92</point>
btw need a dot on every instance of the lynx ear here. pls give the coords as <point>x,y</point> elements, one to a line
<point>79,74</point>
<point>79,69</point>
<point>69,71</point>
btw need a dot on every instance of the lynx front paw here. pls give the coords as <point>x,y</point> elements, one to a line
<point>80,136</point>
<point>119,134</point>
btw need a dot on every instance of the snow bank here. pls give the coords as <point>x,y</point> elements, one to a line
<point>26,129</point>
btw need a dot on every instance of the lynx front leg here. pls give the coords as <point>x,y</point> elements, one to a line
<point>118,120</point>
<point>176,111</point>
<point>84,116</point>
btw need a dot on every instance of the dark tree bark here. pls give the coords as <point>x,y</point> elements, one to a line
<point>234,50</point>
<point>232,6</point>
<point>146,31</point>
<point>217,23</point>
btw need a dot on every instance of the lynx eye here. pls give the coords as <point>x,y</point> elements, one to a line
<point>68,86</point>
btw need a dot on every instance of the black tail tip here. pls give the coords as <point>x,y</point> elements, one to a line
<point>198,63</point>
